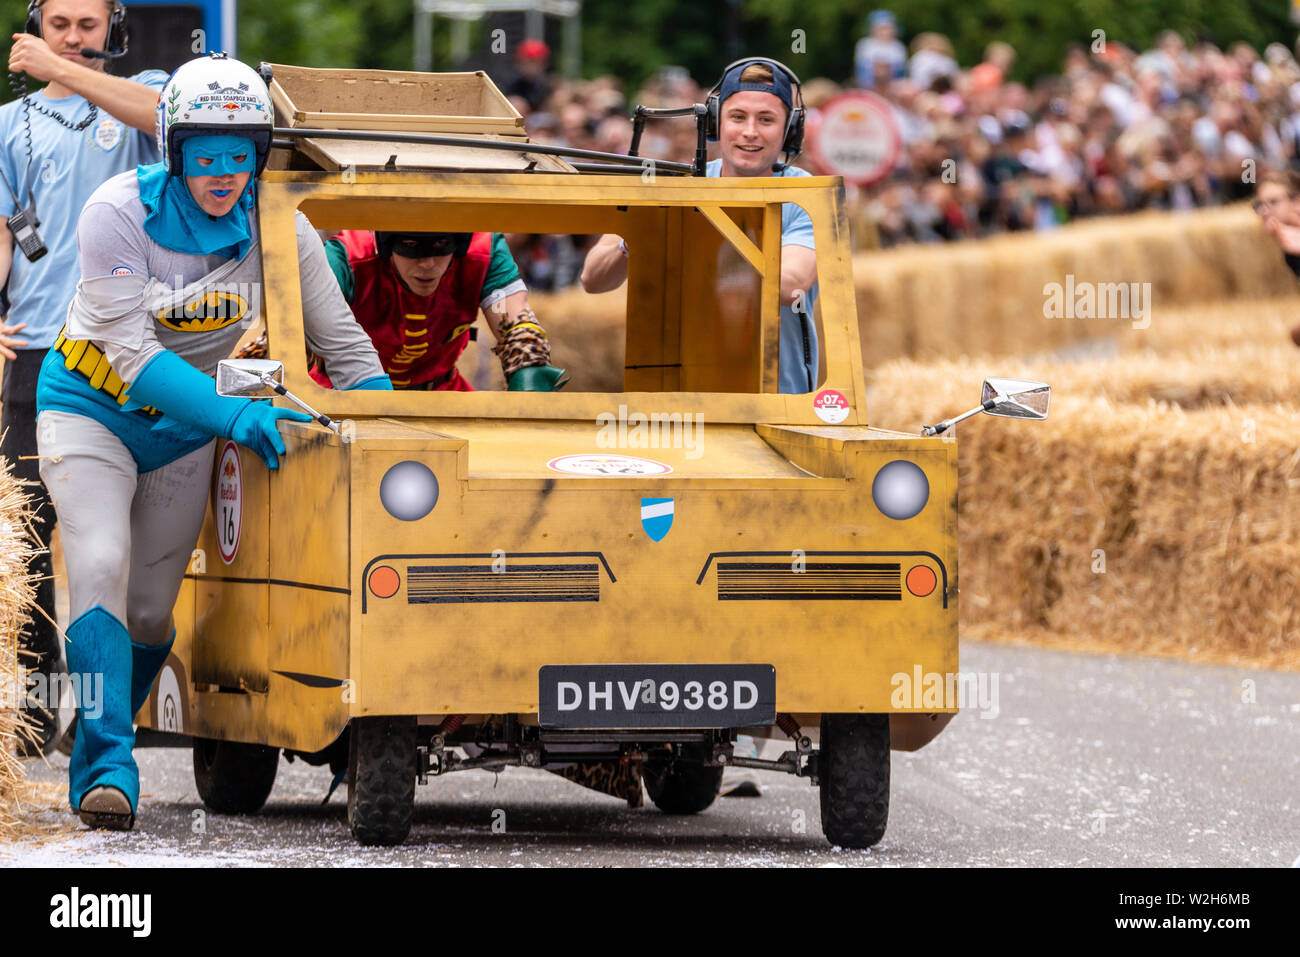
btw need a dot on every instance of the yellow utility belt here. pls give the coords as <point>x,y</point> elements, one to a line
<point>83,356</point>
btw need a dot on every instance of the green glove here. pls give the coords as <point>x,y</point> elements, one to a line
<point>538,379</point>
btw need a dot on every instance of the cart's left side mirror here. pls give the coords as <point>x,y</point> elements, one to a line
<point>1016,398</point>
<point>249,378</point>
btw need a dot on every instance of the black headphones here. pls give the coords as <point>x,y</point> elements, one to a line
<point>792,144</point>
<point>116,41</point>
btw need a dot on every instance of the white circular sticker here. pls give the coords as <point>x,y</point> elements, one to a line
<point>831,406</point>
<point>857,137</point>
<point>611,466</point>
<point>229,509</point>
<point>170,704</point>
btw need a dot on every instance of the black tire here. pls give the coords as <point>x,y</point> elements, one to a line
<point>853,772</point>
<point>232,777</point>
<point>685,785</point>
<point>381,779</point>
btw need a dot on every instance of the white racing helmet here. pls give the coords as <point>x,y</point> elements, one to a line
<point>213,95</point>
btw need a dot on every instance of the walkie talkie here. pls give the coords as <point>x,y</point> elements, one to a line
<point>23,223</point>
<point>23,226</point>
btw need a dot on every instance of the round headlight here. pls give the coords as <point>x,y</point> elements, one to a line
<point>900,489</point>
<point>409,491</point>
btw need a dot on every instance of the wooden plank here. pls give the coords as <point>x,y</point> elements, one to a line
<point>365,155</point>
<point>769,333</point>
<point>391,99</point>
<point>724,224</point>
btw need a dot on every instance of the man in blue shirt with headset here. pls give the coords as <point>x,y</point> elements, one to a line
<point>754,118</point>
<point>56,147</point>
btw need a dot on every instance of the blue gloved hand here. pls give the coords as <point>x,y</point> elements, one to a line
<point>172,385</point>
<point>255,428</point>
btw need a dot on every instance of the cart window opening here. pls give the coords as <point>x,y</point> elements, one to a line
<point>684,308</point>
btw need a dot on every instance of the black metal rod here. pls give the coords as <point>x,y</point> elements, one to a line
<point>697,110</point>
<point>701,141</point>
<point>381,136</point>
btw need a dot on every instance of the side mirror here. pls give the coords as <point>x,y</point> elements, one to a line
<point>1016,398</point>
<point>250,378</point>
<point>261,379</point>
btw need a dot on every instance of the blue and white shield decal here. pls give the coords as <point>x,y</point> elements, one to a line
<point>656,517</point>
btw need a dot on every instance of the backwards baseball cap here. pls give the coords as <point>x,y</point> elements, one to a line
<point>779,86</point>
<point>422,245</point>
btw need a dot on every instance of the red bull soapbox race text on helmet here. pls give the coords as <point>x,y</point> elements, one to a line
<point>213,95</point>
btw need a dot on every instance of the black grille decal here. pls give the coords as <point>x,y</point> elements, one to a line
<point>455,584</point>
<point>825,581</point>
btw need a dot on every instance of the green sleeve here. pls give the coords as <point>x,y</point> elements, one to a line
<point>502,270</point>
<point>338,260</point>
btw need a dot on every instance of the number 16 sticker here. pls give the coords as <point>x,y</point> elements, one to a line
<point>230,502</point>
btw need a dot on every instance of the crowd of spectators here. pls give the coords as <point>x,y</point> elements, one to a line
<point>1118,130</point>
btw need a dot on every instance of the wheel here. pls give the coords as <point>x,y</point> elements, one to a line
<point>682,785</point>
<point>381,779</point>
<point>232,777</point>
<point>853,772</point>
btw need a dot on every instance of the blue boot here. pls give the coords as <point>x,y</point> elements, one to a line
<point>99,658</point>
<point>146,662</point>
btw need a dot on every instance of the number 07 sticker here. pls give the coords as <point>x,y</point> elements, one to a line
<point>229,506</point>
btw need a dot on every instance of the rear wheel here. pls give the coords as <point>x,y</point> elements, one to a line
<point>233,777</point>
<point>682,785</point>
<point>381,779</point>
<point>853,771</point>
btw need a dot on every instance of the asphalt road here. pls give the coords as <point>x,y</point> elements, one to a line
<point>1092,761</point>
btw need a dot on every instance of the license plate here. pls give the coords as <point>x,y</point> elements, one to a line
<point>596,697</point>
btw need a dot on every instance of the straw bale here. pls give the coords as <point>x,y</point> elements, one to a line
<point>1142,528</point>
<point>904,394</point>
<point>16,596</point>
<point>986,297</point>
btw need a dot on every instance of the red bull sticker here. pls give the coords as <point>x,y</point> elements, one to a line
<point>604,465</point>
<point>229,508</point>
<point>831,406</point>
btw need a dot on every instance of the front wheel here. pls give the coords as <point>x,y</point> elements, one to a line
<point>381,779</point>
<point>233,777</point>
<point>853,771</point>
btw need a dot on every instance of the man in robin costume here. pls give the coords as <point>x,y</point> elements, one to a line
<point>417,295</point>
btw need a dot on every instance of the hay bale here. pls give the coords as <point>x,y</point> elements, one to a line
<point>16,597</point>
<point>986,296</point>
<point>904,394</point>
<point>1139,528</point>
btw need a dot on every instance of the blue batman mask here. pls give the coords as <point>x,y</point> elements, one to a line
<point>175,220</point>
<point>218,155</point>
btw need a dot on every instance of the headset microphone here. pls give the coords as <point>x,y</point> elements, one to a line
<point>102,54</point>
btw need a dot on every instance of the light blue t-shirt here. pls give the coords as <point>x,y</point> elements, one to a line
<point>797,371</point>
<point>66,167</point>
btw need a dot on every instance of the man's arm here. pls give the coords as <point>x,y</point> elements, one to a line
<point>503,309</point>
<point>132,103</point>
<point>798,272</point>
<point>8,341</point>
<point>606,266</point>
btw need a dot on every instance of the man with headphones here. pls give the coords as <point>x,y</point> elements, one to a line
<point>56,146</point>
<point>753,116</point>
